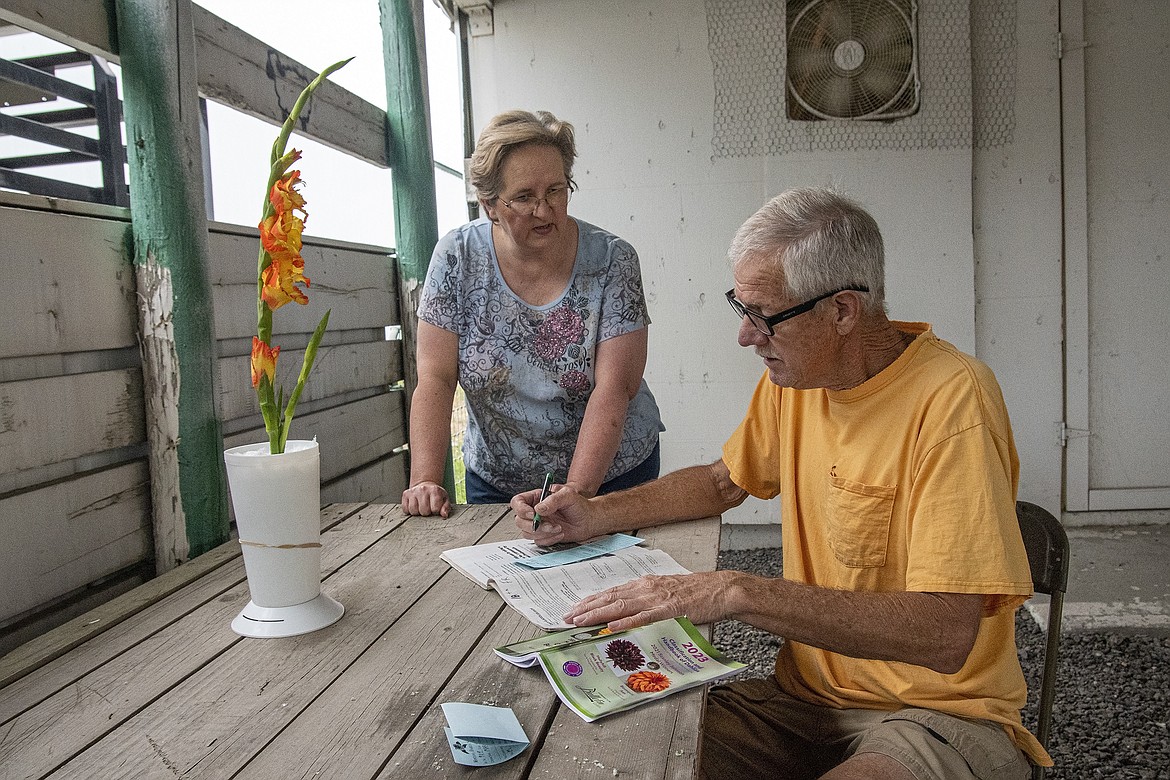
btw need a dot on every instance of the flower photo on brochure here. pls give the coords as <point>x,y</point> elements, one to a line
<point>648,682</point>
<point>280,274</point>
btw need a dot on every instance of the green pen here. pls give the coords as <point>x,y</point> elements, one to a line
<point>543,496</point>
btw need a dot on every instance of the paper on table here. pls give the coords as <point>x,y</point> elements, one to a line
<point>582,552</point>
<point>483,563</point>
<point>527,652</point>
<point>545,595</point>
<point>480,735</point>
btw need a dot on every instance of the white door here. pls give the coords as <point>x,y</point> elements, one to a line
<point>1115,65</point>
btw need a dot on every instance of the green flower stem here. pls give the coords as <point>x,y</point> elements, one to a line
<point>306,367</point>
<point>269,409</point>
<point>286,128</point>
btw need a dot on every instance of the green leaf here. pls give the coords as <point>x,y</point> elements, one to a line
<point>306,367</point>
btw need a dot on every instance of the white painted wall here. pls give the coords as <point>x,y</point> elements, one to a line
<point>636,79</point>
<point>1018,274</point>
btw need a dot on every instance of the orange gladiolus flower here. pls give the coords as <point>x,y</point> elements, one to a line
<point>280,235</point>
<point>281,278</point>
<point>284,197</point>
<point>263,361</point>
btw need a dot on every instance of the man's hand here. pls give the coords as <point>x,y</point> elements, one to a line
<point>565,516</point>
<point>426,498</point>
<point>700,597</point>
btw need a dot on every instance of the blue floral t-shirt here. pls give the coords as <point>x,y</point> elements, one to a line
<point>527,371</point>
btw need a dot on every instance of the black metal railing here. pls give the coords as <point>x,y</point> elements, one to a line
<point>34,80</point>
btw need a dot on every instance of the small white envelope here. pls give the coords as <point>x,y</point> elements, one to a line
<point>480,735</point>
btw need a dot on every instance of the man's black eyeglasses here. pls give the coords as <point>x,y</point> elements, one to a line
<point>765,324</point>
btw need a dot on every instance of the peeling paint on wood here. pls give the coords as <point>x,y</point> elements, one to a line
<point>160,381</point>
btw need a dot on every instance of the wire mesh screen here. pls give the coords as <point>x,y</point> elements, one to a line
<point>966,62</point>
<point>993,58</point>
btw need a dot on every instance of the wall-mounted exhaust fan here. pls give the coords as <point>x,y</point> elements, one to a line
<point>852,59</point>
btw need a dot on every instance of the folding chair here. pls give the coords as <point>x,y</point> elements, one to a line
<point>1047,546</point>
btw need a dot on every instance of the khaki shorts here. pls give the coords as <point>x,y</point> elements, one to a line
<point>753,730</point>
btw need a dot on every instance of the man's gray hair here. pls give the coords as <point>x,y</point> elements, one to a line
<point>817,240</point>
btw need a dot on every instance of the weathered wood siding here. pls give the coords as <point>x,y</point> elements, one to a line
<point>74,485</point>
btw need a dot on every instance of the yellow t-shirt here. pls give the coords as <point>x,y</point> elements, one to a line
<point>904,483</point>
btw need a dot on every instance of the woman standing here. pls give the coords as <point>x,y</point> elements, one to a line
<point>542,320</point>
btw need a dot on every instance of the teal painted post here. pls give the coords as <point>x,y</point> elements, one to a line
<point>416,221</point>
<point>170,251</point>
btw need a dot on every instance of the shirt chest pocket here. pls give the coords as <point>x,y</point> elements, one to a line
<point>859,521</point>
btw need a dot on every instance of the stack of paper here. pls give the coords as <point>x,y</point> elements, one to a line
<point>543,590</point>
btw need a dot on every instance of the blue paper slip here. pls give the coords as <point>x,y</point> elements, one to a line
<point>581,552</point>
<point>480,735</point>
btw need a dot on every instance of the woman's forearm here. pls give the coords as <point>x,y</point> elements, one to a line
<point>598,441</point>
<point>430,430</point>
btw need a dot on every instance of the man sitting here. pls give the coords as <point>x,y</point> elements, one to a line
<point>903,563</point>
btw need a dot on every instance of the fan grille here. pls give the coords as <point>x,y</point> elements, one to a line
<point>851,59</point>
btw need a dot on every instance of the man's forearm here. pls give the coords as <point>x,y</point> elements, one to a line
<point>935,630</point>
<point>686,494</point>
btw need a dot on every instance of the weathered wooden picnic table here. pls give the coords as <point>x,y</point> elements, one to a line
<point>155,684</point>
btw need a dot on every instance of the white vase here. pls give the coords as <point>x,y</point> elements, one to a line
<point>277,503</point>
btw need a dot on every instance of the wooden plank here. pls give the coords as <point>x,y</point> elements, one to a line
<point>380,482</point>
<point>370,713</point>
<point>350,436</point>
<point>673,720</point>
<point>15,369</point>
<point>694,544</point>
<point>496,683</point>
<point>526,691</point>
<point>68,534</point>
<point>58,418</point>
<point>339,369</point>
<point>245,73</point>
<point>25,200</point>
<point>236,247</point>
<point>310,239</point>
<point>197,725</point>
<point>84,710</point>
<point>357,286</point>
<point>47,616</point>
<point>42,667</point>
<point>70,287</point>
<point>82,25</point>
<point>234,68</point>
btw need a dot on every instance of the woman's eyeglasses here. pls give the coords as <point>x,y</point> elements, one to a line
<point>526,205</point>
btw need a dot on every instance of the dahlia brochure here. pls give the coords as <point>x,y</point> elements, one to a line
<point>597,673</point>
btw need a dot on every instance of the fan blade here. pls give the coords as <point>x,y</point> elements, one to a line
<point>835,17</point>
<point>883,83</point>
<point>810,63</point>
<point>884,28</point>
<point>835,97</point>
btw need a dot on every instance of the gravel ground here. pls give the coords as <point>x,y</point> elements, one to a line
<point>1112,695</point>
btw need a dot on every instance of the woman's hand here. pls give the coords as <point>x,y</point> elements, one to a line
<point>426,498</point>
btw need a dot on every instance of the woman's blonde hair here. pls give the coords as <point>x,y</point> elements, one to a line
<point>506,133</point>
